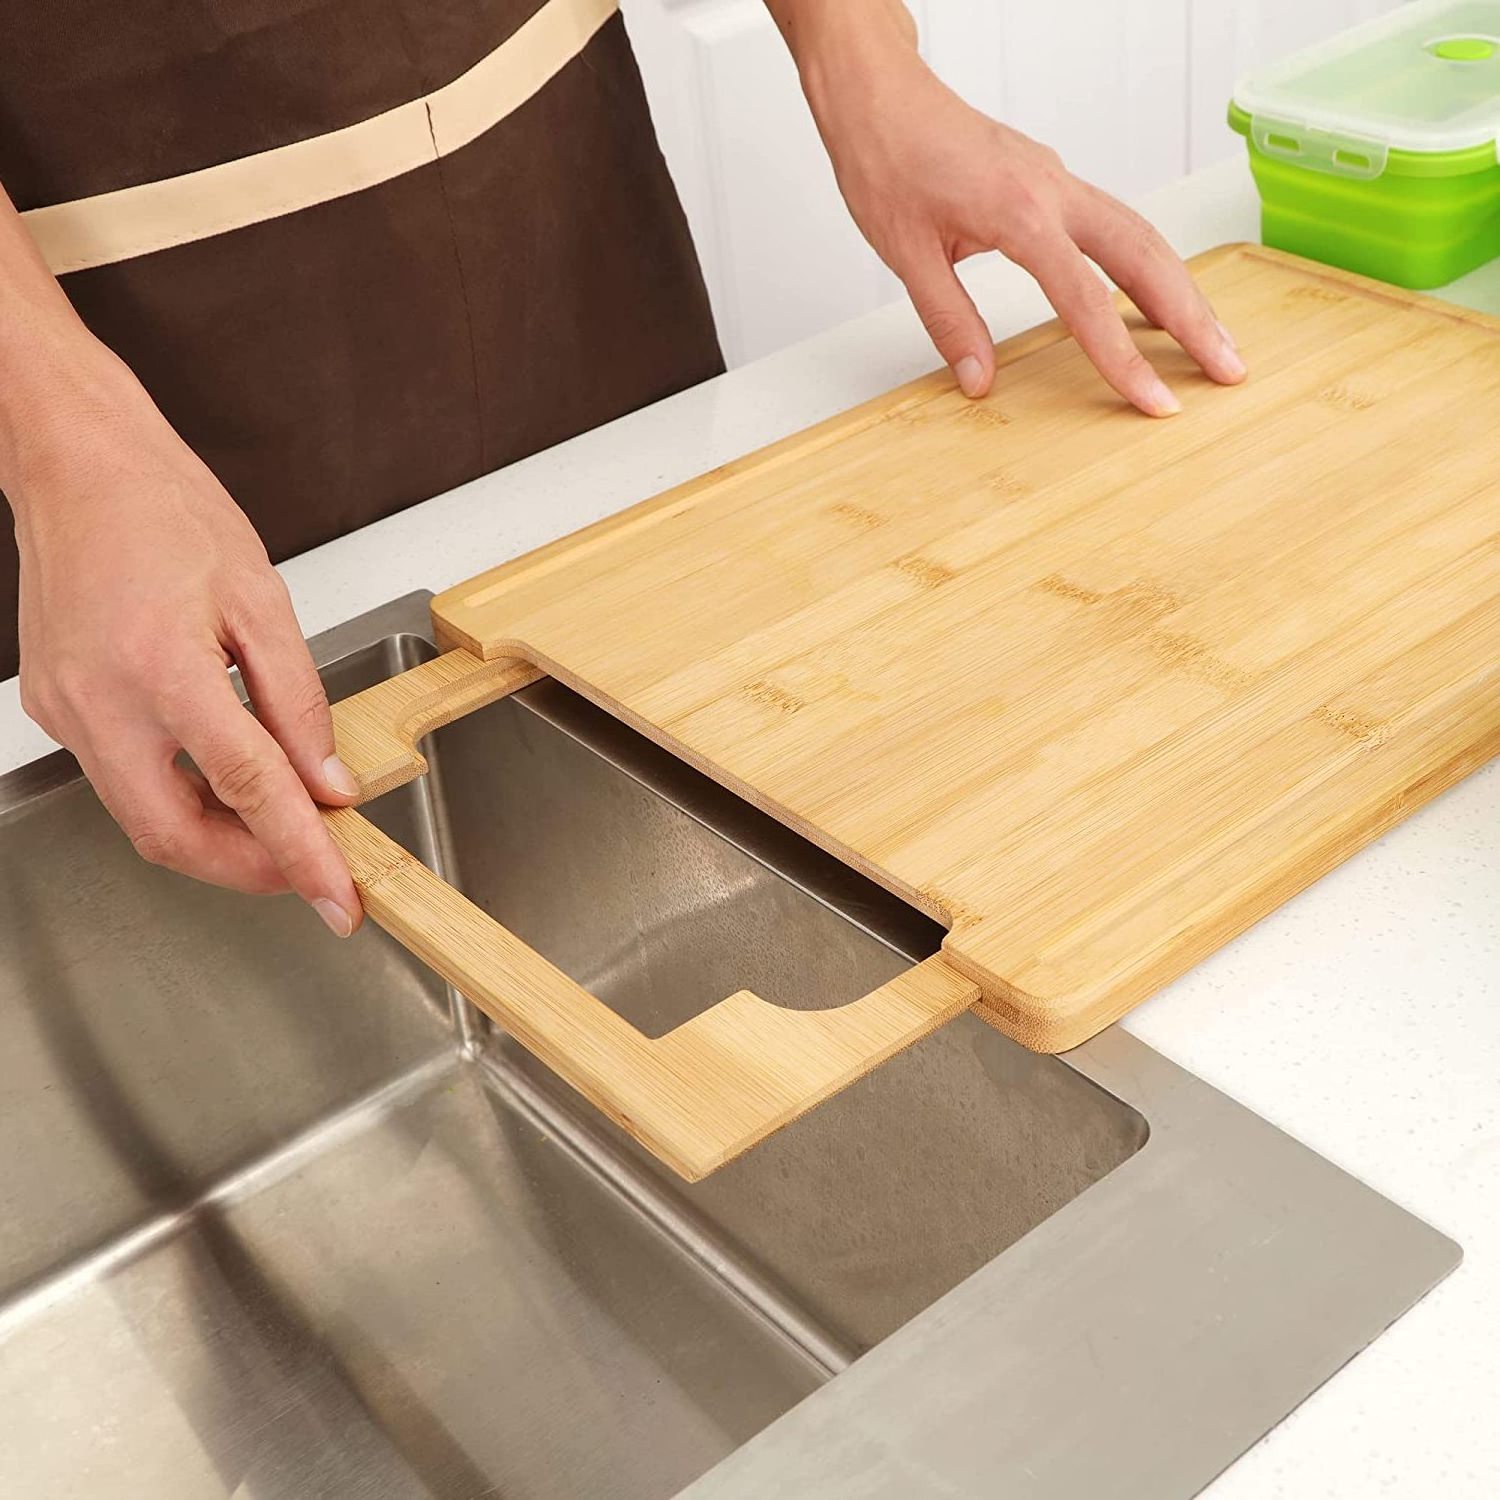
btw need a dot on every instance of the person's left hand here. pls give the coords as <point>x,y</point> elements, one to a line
<point>931,181</point>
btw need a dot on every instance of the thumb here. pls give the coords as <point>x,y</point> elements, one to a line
<point>952,322</point>
<point>290,702</point>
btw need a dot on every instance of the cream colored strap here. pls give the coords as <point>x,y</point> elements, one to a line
<point>137,220</point>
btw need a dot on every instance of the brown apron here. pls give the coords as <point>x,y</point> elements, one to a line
<point>343,360</point>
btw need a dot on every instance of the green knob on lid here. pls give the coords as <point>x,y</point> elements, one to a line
<point>1463,48</point>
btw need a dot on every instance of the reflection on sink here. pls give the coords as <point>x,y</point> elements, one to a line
<point>283,1218</point>
<point>575,833</point>
<point>156,1034</point>
<point>298,1228</point>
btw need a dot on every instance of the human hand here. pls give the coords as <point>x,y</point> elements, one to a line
<point>931,181</point>
<point>141,582</point>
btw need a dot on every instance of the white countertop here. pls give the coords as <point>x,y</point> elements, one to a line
<point>1363,1017</point>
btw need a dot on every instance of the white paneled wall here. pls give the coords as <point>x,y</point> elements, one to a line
<point>1132,93</point>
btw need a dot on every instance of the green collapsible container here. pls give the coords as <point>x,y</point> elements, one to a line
<point>1376,151</point>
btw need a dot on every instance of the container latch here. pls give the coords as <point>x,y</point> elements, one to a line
<point>1335,152</point>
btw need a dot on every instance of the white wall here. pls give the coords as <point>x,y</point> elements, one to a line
<point>1131,92</point>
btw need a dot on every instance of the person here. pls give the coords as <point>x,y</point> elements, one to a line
<point>274,271</point>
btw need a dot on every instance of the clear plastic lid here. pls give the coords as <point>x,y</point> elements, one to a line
<point>1424,78</point>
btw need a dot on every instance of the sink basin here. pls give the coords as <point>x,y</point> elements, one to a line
<point>285,1217</point>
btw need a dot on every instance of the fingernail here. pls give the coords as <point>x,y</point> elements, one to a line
<point>1234,366</point>
<point>1227,336</point>
<point>970,375</point>
<point>339,777</point>
<point>335,918</point>
<point>1160,401</point>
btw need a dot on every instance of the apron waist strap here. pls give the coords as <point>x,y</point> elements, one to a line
<point>109,227</point>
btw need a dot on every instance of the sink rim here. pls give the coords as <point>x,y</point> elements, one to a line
<point>863,1435</point>
<point>1135,1342</point>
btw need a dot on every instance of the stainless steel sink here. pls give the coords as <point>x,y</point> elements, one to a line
<point>284,1218</point>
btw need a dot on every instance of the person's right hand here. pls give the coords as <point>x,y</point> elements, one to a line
<point>141,581</point>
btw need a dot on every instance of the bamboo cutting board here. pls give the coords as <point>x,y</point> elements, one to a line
<point>1094,691</point>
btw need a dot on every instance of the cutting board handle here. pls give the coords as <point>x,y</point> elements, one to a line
<point>697,1096</point>
<point>377,730</point>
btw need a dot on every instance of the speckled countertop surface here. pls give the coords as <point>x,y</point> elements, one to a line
<point>1363,1017</point>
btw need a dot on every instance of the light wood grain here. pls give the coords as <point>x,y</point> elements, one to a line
<point>1096,692</point>
<point>697,1096</point>
<point>377,730</point>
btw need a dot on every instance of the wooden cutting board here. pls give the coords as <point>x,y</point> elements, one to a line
<point>1094,691</point>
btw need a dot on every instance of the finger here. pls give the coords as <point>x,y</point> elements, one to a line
<point>248,773</point>
<point>1152,275</point>
<point>155,802</point>
<point>1084,303</point>
<point>952,321</point>
<point>289,699</point>
<point>204,791</point>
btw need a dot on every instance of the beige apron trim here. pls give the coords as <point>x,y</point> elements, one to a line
<point>177,210</point>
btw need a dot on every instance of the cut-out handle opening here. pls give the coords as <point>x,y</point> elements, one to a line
<point>697,1096</point>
